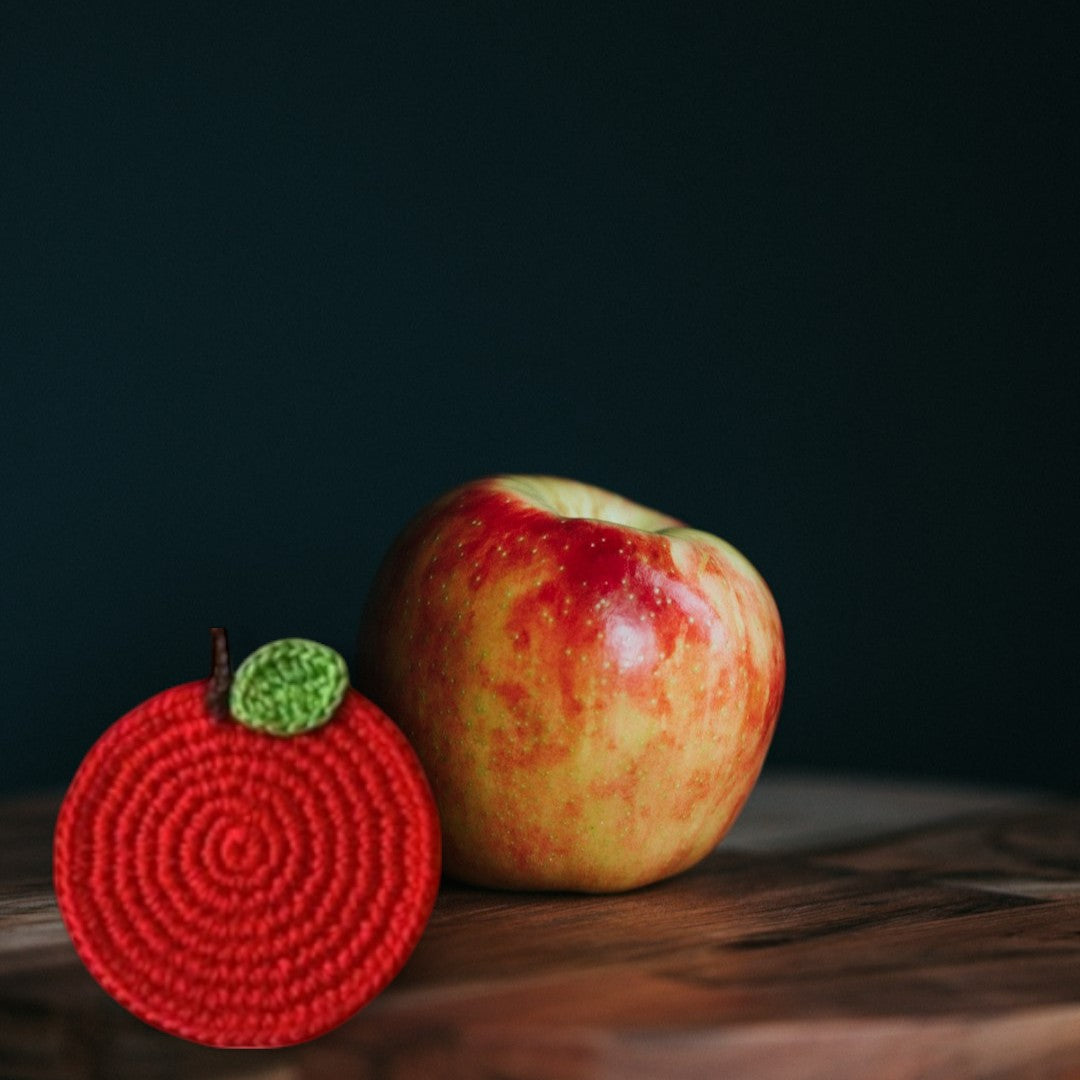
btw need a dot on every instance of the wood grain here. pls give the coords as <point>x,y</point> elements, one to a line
<point>845,929</point>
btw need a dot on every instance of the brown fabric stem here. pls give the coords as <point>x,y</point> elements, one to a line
<point>217,693</point>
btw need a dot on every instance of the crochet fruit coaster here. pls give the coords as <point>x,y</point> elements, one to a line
<point>246,861</point>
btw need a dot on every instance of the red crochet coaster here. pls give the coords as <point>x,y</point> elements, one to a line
<point>240,889</point>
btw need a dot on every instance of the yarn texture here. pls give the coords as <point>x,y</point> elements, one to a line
<point>243,890</point>
<point>288,686</point>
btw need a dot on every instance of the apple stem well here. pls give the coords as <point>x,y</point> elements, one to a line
<point>283,688</point>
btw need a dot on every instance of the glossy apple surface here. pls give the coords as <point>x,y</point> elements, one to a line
<point>590,685</point>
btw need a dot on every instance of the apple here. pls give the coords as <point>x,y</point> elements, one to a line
<point>590,685</point>
<point>247,860</point>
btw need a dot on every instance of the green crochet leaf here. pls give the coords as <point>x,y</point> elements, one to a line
<point>288,687</point>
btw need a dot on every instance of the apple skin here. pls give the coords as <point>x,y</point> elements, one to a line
<point>591,686</point>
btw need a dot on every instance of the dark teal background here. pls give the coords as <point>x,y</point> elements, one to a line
<point>273,276</point>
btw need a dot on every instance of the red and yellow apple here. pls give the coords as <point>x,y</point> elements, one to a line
<point>590,685</point>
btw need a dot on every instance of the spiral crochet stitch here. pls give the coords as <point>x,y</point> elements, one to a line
<point>244,890</point>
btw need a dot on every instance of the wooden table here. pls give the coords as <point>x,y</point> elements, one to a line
<point>845,928</point>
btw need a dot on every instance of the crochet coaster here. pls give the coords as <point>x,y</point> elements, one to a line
<point>246,862</point>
